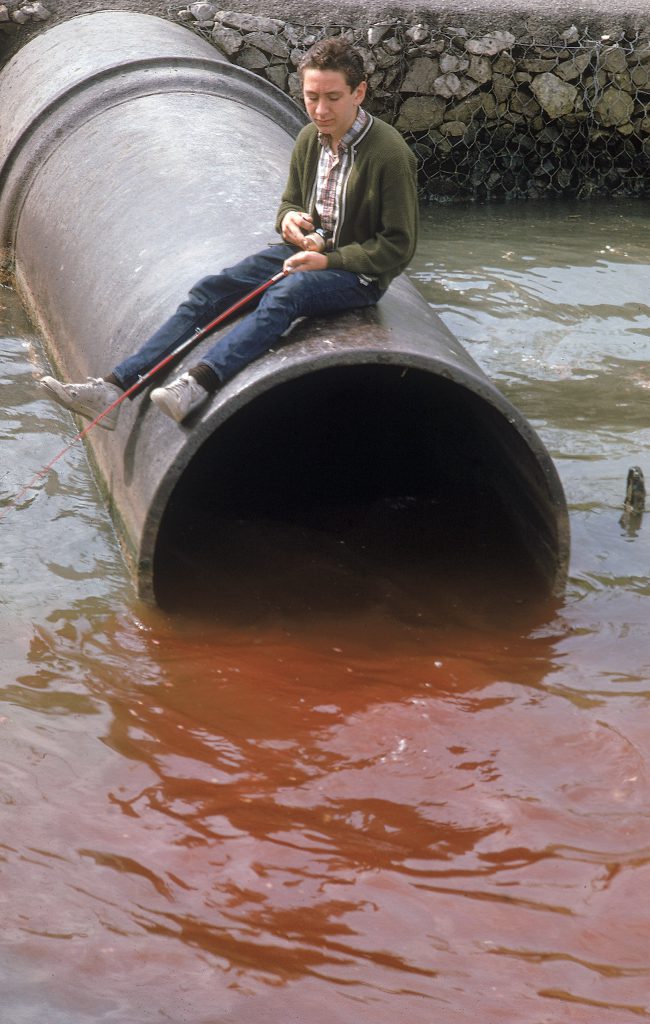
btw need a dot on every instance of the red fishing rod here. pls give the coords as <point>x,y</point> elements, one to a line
<point>142,380</point>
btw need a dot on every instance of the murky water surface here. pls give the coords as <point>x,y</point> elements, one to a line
<point>360,818</point>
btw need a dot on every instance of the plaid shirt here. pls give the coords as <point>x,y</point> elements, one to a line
<point>332,170</point>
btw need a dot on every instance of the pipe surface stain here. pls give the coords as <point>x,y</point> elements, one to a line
<point>370,798</point>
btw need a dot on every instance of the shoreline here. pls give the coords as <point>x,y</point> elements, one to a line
<point>495,103</point>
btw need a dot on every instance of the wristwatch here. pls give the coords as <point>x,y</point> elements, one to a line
<point>325,235</point>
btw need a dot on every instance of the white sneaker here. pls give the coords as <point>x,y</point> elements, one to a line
<point>180,398</point>
<point>89,399</point>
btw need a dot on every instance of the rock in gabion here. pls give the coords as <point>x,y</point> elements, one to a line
<point>554,96</point>
<point>490,46</point>
<point>22,14</point>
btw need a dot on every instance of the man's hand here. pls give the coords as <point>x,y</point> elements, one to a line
<point>295,226</point>
<point>314,242</point>
<point>305,261</point>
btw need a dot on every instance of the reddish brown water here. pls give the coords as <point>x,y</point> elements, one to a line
<point>362,818</point>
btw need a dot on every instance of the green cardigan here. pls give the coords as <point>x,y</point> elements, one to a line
<point>377,230</point>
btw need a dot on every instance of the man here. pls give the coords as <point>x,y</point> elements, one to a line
<point>348,220</point>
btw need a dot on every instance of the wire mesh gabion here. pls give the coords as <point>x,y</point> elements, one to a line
<point>495,117</point>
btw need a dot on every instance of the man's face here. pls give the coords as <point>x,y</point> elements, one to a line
<point>331,104</point>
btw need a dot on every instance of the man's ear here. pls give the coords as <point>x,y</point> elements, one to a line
<point>360,92</point>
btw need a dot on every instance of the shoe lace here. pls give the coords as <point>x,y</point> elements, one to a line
<point>180,385</point>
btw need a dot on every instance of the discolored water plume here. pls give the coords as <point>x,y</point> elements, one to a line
<point>344,799</point>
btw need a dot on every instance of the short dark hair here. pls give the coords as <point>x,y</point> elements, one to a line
<point>335,54</point>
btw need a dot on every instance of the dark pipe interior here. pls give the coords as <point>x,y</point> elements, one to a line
<point>350,487</point>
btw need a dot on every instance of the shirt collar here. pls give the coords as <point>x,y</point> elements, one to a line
<point>352,134</point>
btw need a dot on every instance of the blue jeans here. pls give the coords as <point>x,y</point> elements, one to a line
<point>302,293</point>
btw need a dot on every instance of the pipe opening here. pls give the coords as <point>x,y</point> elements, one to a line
<point>355,486</point>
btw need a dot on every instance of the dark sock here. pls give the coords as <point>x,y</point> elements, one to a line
<point>112,379</point>
<point>206,377</point>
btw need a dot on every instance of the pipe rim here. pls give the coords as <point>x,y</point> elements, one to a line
<point>253,382</point>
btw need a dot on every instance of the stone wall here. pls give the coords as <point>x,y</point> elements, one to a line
<point>504,114</point>
<point>510,106</point>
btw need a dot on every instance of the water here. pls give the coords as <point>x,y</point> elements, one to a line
<point>363,818</point>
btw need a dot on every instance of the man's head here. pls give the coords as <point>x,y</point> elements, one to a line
<point>333,86</point>
<point>334,54</point>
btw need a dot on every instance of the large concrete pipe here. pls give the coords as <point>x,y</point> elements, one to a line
<point>133,160</point>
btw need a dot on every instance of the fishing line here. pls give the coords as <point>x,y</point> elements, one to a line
<point>141,381</point>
